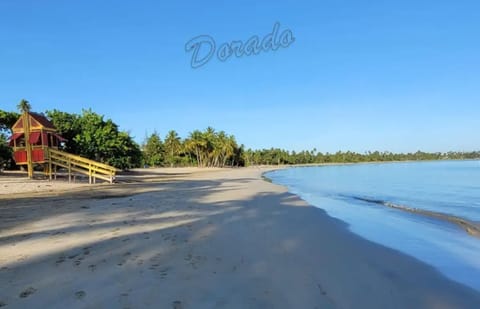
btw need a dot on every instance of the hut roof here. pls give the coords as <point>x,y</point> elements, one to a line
<point>42,120</point>
<point>37,121</point>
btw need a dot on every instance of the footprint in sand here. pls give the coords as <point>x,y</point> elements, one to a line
<point>194,261</point>
<point>166,236</point>
<point>322,291</point>
<point>22,258</point>
<point>124,259</point>
<point>80,294</point>
<point>78,261</point>
<point>153,266</point>
<point>60,260</point>
<point>124,300</point>
<point>27,292</point>
<point>73,256</point>
<point>164,272</point>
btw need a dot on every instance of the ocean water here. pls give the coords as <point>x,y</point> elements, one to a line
<point>358,195</point>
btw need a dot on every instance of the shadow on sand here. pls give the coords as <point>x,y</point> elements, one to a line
<point>192,244</point>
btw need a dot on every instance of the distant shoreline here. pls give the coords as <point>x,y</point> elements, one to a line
<point>355,163</point>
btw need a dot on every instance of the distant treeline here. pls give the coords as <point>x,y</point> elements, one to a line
<point>279,156</point>
<point>91,135</point>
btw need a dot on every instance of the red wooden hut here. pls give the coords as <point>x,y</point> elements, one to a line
<point>42,135</point>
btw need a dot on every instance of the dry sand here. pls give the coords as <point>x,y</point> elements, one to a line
<point>188,238</point>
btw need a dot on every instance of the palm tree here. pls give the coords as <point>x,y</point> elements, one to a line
<point>210,137</point>
<point>172,146</point>
<point>230,149</point>
<point>197,144</point>
<point>24,106</point>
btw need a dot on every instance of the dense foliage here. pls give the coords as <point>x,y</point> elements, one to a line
<point>7,120</point>
<point>153,151</point>
<point>204,149</point>
<point>5,152</point>
<point>90,135</point>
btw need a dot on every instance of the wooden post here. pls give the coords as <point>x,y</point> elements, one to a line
<point>89,173</point>
<point>49,164</point>
<point>28,147</point>
<point>69,172</point>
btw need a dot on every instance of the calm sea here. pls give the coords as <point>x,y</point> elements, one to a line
<point>357,194</point>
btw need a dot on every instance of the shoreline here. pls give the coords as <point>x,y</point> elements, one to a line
<point>472,228</point>
<point>224,238</point>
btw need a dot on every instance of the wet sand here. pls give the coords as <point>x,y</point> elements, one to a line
<point>190,238</point>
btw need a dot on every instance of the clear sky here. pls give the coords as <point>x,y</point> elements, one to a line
<point>360,75</point>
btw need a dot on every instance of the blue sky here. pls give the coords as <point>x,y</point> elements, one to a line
<point>360,75</point>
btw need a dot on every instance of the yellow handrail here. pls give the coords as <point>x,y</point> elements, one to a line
<point>81,165</point>
<point>82,159</point>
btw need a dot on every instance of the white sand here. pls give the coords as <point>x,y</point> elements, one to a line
<point>200,239</point>
<point>15,183</point>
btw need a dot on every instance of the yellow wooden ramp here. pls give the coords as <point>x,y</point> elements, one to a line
<point>78,164</point>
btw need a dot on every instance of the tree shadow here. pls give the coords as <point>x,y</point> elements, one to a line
<point>202,244</point>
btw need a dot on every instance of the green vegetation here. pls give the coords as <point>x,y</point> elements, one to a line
<point>276,156</point>
<point>172,148</point>
<point>153,150</point>
<point>92,136</point>
<point>204,149</point>
<point>7,120</point>
<point>24,106</point>
<point>5,152</point>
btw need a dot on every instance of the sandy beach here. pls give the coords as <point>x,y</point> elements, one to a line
<point>197,238</point>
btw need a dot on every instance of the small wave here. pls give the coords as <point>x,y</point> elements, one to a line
<point>470,227</point>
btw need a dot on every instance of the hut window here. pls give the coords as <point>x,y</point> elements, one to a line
<point>34,138</point>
